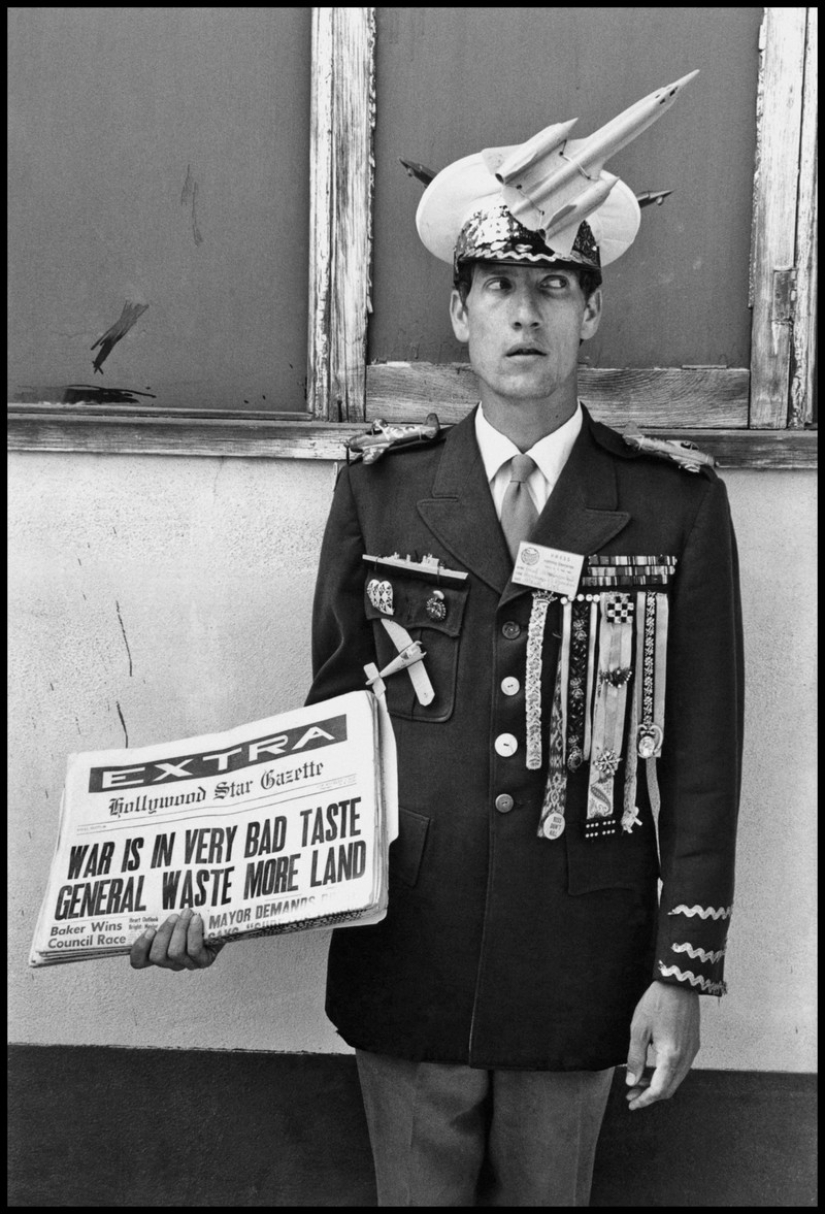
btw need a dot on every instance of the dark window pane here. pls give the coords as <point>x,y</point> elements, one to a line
<point>159,156</point>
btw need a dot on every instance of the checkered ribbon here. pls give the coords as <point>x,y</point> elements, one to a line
<point>618,609</point>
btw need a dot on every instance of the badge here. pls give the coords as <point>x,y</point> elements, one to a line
<point>575,757</point>
<point>379,594</point>
<point>552,826</point>
<point>429,567</point>
<point>410,655</point>
<point>607,763</point>
<point>436,607</point>
<point>548,568</point>
<point>649,741</point>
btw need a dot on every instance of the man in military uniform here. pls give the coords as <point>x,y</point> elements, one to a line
<point>576,599</point>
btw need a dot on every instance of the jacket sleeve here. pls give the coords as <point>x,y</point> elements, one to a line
<point>342,640</point>
<point>700,767</point>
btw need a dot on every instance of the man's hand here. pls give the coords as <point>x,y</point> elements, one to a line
<point>666,1018</point>
<point>175,945</point>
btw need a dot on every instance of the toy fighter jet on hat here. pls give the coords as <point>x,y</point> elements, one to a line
<point>549,185</point>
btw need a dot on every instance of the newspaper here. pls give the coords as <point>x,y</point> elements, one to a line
<point>277,826</point>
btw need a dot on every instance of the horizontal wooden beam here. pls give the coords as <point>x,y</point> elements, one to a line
<point>715,397</point>
<point>109,430</point>
<point>91,408</point>
<point>781,449</point>
<point>135,433</point>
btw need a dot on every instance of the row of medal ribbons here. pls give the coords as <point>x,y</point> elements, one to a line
<point>609,697</point>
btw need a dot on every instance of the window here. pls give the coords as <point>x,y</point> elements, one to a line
<point>756,415</point>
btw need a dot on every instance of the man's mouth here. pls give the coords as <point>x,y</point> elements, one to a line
<point>525,352</point>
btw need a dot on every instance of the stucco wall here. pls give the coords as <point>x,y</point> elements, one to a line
<point>176,592</point>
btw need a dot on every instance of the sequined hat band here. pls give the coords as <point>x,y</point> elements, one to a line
<point>494,234</point>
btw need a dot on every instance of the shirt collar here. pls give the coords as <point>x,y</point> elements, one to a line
<point>550,452</point>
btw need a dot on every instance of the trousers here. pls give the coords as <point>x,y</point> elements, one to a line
<point>433,1127</point>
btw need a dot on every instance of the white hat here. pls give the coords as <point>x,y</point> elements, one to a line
<point>545,200</point>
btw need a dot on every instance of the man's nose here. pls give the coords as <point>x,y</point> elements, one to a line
<point>526,313</point>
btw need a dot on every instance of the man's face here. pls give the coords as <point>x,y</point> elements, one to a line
<point>523,325</point>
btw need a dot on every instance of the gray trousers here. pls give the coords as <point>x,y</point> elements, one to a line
<point>431,1125</point>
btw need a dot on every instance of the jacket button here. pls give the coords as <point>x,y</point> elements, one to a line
<point>510,629</point>
<point>504,803</point>
<point>506,744</point>
<point>510,686</point>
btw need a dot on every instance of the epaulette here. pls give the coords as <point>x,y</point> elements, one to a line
<point>686,455</point>
<point>393,436</point>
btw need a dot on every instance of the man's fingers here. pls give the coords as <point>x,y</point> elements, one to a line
<point>639,1086</point>
<point>194,942</point>
<point>178,944</point>
<point>139,956</point>
<point>202,954</point>
<point>661,1086</point>
<point>168,947</point>
<point>177,951</point>
<point>160,941</point>
<point>637,1053</point>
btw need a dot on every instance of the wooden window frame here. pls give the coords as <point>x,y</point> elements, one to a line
<point>756,417</point>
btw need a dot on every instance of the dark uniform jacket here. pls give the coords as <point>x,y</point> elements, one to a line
<point>501,948</point>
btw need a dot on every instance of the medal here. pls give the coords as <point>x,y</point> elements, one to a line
<point>436,608</point>
<point>648,741</point>
<point>379,594</point>
<point>607,763</point>
<point>575,757</point>
<point>630,818</point>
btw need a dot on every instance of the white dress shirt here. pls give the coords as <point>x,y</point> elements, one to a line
<point>550,455</point>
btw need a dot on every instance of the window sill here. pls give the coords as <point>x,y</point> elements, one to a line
<point>113,430</point>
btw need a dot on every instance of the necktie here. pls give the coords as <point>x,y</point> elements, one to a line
<point>518,513</point>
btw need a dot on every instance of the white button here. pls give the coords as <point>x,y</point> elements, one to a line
<point>510,686</point>
<point>506,744</point>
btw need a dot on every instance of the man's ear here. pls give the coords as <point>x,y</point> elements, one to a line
<point>592,315</point>
<point>458,315</point>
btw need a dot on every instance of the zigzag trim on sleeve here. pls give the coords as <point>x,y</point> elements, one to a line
<point>711,988</point>
<point>699,952</point>
<point>704,912</point>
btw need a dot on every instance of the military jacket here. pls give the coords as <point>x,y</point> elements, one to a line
<point>502,948</point>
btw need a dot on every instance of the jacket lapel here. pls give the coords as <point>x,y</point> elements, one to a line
<point>461,512</point>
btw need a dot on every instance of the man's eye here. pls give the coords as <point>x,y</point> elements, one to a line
<point>555,282</point>
<point>498,284</point>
